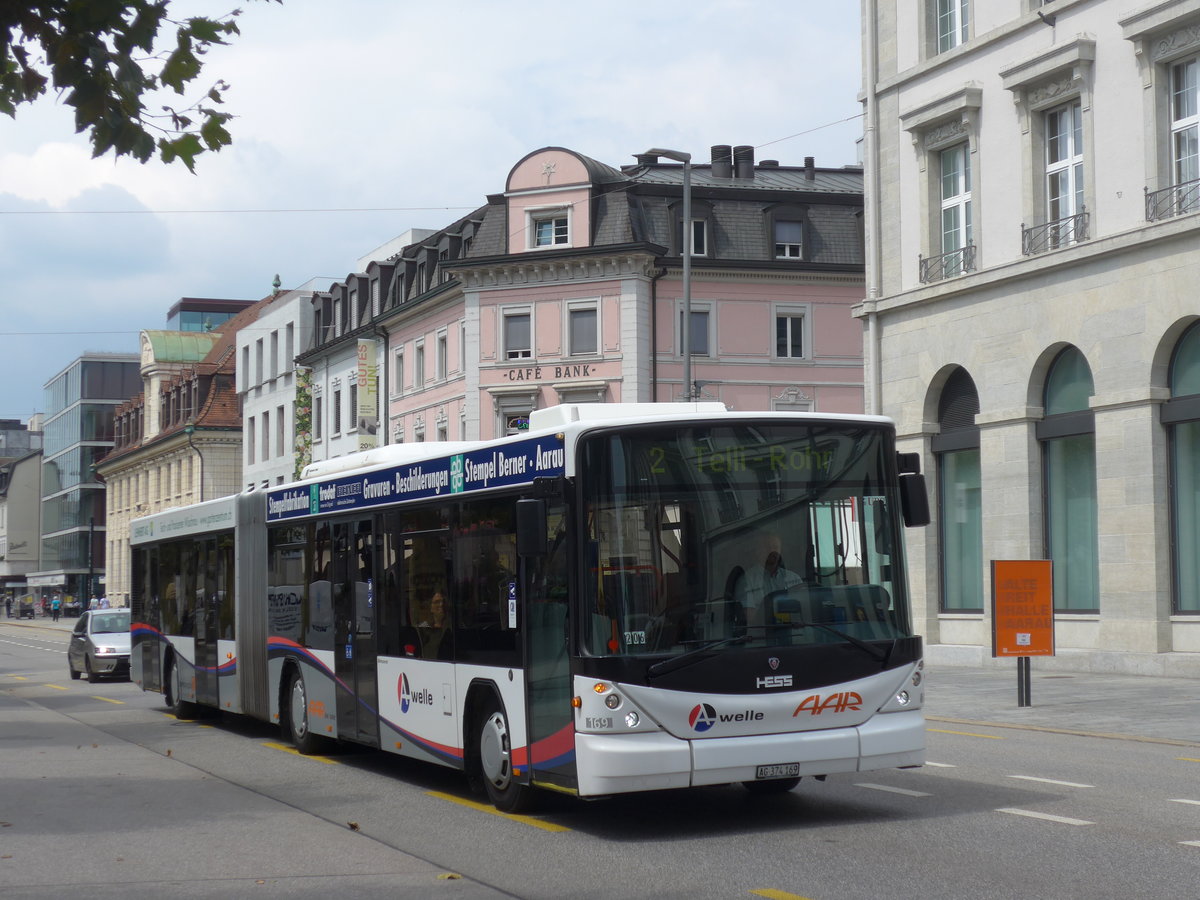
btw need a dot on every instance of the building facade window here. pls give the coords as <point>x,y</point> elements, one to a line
<point>418,365</point>
<point>1181,416</point>
<point>582,330</point>
<point>960,512</point>
<point>318,417</point>
<point>700,337</point>
<point>953,23</point>
<point>549,227</point>
<point>443,352</point>
<point>1068,440</point>
<point>251,448</point>
<point>398,372</point>
<point>1064,163</point>
<point>335,420</point>
<point>956,205</point>
<point>352,409</point>
<point>518,335</point>
<point>791,333</point>
<point>266,435</point>
<point>1185,125</point>
<point>789,239</point>
<point>280,447</point>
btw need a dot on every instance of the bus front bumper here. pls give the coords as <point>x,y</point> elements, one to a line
<point>621,763</point>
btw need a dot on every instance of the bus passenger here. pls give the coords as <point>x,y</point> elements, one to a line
<point>434,631</point>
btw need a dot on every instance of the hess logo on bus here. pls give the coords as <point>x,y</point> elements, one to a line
<point>408,696</point>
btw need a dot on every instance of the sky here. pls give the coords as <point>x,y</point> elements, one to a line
<point>359,120</point>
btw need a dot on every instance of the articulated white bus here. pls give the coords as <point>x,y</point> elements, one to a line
<point>624,598</point>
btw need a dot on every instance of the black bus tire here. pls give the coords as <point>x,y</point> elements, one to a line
<point>293,717</point>
<point>183,709</point>
<point>495,760</point>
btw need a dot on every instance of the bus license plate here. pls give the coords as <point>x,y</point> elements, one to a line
<point>779,770</point>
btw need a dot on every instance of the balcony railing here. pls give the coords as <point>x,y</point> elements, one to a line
<point>1056,234</point>
<point>1173,201</point>
<point>947,265</point>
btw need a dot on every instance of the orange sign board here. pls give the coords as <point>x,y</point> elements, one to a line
<point>1022,607</point>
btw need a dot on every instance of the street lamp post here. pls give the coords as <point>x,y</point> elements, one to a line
<point>685,248</point>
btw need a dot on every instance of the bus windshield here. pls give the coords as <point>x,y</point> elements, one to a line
<point>720,536</point>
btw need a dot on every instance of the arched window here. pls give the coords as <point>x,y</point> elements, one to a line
<point>1181,415</point>
<point>960,512</point>
<point>1068,438</point>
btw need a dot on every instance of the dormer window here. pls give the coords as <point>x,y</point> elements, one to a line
<point>789,239</point>
<point>549,227</point>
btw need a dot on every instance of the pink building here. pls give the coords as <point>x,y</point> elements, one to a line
<point>567,286</point>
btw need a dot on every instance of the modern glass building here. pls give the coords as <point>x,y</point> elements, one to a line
<point>78,432</point>
<point>203,313</point>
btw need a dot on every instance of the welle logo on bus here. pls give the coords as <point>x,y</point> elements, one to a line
<point>510,464</point>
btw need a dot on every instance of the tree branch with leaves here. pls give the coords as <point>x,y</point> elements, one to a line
<point>107,59</point>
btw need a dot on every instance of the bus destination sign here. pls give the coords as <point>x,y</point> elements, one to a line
<point>478,470</point>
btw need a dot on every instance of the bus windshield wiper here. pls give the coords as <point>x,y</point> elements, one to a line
<point>881,655</point>
<point>691,656</point>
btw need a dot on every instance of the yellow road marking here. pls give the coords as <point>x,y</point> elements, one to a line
<point>108,699</point>
<point>57,687</point>
<point>990,737</point>
<point>1186,759</point>
<point>773,894</point>
<point>491,810</point>
<point>292,750</point>
<point>18,677</point>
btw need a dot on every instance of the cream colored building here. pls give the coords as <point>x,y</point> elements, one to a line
<point>1033,294</point>
<point>179,441</point>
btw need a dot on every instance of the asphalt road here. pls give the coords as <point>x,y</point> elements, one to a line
<point>103,794</point>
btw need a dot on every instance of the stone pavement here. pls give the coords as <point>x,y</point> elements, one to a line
<point>1141,706</point>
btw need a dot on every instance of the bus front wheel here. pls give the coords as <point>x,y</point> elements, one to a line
<point>495,760</point>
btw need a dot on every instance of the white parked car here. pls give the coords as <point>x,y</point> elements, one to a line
<point>100,645</point>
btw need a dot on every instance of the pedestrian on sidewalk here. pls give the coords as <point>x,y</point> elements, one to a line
<point>8,607</point>
<point>56,607</point>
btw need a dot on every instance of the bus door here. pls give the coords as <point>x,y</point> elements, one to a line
<point>355,648</point>
<point>207,623</point>
<point>544,591</point>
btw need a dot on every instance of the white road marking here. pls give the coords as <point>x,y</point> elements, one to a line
<point>1190,843</point>
<point>1052,781</point>
<point>1193,802</point>
<point>893,790</point>
<point>1029,813</point>
<point>940,765</point>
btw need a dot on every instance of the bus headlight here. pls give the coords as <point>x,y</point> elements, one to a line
<point>902,698</point>
<point>632,719</point>
<point>612,701</point>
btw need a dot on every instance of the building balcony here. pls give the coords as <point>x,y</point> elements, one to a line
<point>1173,201</point>
<point>947,265</point>
<point>1054,235</point>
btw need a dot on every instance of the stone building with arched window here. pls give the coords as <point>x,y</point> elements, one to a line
<point>1033,312</point>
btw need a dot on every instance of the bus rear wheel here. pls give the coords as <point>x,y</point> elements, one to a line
<point>172,689</point>
<point>293,717</point>
<point>495,761</point>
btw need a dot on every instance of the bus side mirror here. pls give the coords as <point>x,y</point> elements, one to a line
<point>914,501</point>
<point>531,527</point>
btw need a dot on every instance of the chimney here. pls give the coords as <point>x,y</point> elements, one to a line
<point>743,162</point>
<point>722,161</point>
<point>646,159</point>
<point>810,172</point>
<point>768,164</point>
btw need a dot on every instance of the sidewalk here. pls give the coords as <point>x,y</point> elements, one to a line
<point>1142,706</point>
